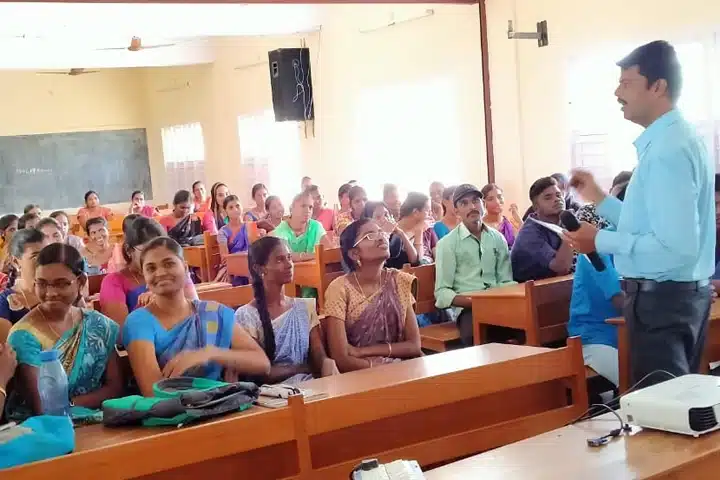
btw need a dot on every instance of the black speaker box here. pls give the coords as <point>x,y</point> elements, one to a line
<point>291,84</point>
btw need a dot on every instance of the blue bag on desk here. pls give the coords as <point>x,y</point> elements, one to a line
<point>37,438</point>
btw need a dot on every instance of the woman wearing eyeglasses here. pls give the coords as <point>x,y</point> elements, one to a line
<point>85,339</point>
<point>370,310</point>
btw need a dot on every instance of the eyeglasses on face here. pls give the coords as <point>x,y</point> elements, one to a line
<point>372,236</point>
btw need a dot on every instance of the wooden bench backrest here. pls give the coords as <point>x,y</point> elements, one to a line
<point>424,287</point>
<point>115,224</point>
<point>212,254</point>
<point>329,263</point>
<point>94,282</point>
<point>233,297</point>
<point>491,405</point>
<point>548,302</point>
<point>209,450</point>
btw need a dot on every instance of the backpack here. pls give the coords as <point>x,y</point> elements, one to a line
<point>179,401</point>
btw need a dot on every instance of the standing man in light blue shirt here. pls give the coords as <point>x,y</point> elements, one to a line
<point>663,250</point>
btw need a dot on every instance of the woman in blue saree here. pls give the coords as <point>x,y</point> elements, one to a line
<point>85,339</point>
<point>232,238</point>
<point>123,291</point>
<point>287,328</point>
<point>174,336</point>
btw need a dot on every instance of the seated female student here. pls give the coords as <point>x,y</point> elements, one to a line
<point>8,363</point>
<point>288,329</point>
<point>93,209</point>
<point>174,336</point>
<point>275,215</point>
<point>8,227</point>
<point>259,211</point>
<point>370,310</point>
<point>19,296</point>
<point>63,221</point>
<point>50,228</point>
<point>399,243</point>
<point>449,219</point>
<point>495,216</point>
<point>84,338</point>
<point>28,220</point>
<point>201,200</point>
<point>117,260</point>
<point>139,207</point>
<point>123,291</point>
<point>232,238</point>
<point>302,233</point>
<point>357,198</point>
<point>325,216</point>
<point>183,225</point>
<point>33,208</point>
<point>98,251</point>
<point>218,192</point>
<point>414,221</point>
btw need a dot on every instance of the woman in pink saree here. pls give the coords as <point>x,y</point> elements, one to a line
<point>370,310</point>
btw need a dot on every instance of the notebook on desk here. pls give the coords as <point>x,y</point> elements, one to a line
<point>276,396</point>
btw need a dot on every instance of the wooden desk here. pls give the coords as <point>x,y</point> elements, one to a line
<point>514,307</point>
<point>195,257</point>
<point>261,441</point>
<point>564,454</point>
<point>237,264</point>
<point>711,354</point>
<point>441,407</point>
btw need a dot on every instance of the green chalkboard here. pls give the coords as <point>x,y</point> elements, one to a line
<point>55,170</point>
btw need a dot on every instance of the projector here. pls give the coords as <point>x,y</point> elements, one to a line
<point>689,405</point>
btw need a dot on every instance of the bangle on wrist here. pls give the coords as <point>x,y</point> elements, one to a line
<point>3,392</point>
<point>389,349</point>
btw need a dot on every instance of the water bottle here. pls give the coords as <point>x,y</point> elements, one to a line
<point>53,385</point>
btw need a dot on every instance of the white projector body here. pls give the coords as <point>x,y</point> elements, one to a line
<point>689,405</point>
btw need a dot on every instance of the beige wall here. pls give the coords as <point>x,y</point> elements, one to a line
<point>34,104</point>
<point>344,62</point>
<point>528,83</point>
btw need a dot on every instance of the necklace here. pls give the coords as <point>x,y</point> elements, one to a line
<point>367,299</point>
<point>135,277</point>
<point>47,322</point>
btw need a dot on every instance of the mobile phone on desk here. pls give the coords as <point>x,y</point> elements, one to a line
<point>397,470</point>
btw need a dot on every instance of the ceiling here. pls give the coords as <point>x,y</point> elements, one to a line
<point>62,36</point>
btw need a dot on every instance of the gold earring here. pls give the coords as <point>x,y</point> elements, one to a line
<point>359,264</point>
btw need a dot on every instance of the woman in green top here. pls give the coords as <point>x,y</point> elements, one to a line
<point>302,233</point>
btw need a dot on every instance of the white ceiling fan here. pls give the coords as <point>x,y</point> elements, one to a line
<point>73,72</point>
<point>136,45</point>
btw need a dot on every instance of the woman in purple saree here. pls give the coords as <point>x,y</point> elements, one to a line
<point>232,238</point>
<point>370,310</point>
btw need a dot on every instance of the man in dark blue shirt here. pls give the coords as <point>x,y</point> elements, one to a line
<point>537,252</point>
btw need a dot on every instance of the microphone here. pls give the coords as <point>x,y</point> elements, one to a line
<point>570,222</point>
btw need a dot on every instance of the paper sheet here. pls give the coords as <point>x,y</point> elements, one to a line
<point>550,226</point>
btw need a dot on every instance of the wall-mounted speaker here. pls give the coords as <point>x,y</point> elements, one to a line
<point>291,84</point>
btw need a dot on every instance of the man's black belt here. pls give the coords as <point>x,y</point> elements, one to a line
<point>633,285</point>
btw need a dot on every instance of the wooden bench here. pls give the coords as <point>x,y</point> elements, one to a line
<point>233,297</point>
<point>436,337</point>
<point>711,353</point>
<point>261,441</point>
<point>442,407</point>
<point>195,257</point>
<point>319,273</point>
<point>564,454</point>
<point>540,309</point>
<point>94,283</point>
<point>213,258</point>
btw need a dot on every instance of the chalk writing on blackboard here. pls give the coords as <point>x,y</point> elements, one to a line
<point>32,171</point>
